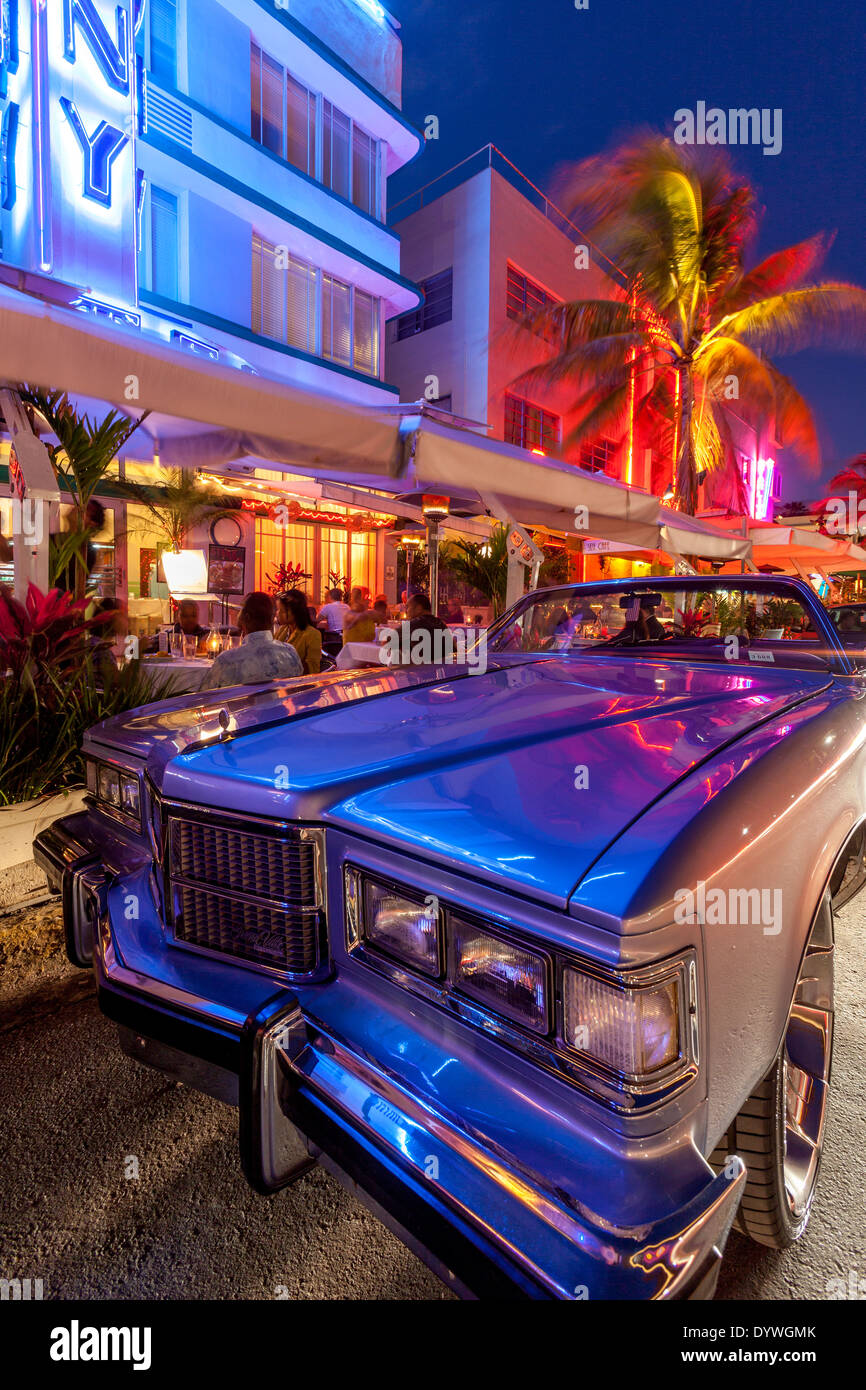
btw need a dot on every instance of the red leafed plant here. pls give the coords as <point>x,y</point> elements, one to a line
<point>286,577</point>
<point>45,635</point>
<point>56,681</point>
<point>690,622</point>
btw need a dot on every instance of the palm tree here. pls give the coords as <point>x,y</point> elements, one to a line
<point>81,459</point>
<point>689,331</point>
<point>482,565</point>
<point>836,506</point>
<point>178,504</point>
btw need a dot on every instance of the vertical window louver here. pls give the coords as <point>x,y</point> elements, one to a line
<point>163,42</point>
<point>336,165</point>
<point>336,321</point>
<point>300,126</point>
<point>364,171</point>
<point>163,243</point>
<point>366,333</point>
<point>301,292</point>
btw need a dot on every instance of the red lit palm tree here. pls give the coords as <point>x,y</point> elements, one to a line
<point>694,324</point>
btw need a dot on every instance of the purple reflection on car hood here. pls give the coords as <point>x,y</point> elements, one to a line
<point>524,774</point>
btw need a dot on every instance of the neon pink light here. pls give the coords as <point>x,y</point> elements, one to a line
<point>758,476</point>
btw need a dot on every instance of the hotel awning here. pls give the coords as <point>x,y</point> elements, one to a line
<point>205,414</point>
<point>798,550</point>
<point>563,498</point>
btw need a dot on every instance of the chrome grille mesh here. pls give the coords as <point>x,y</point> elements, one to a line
<point>257,865</point>
<point>253,896</point>
<point>284,940</point>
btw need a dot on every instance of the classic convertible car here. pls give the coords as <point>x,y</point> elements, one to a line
<point>535,955</point>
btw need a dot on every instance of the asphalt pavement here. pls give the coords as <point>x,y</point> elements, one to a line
<point>117,1183</point>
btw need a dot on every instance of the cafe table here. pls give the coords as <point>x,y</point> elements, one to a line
<point>354,654</point>
<point>185,673</point>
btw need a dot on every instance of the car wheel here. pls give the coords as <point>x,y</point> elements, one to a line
<point>779,1133</point>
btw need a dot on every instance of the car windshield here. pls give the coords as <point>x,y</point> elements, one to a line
<point>710,621</point>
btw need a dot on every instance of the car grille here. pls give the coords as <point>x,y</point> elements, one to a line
<point>250,894</point>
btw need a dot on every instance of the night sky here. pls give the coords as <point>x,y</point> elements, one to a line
<point>547,83</point>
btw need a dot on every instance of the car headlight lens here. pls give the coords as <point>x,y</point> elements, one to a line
<point>130,795</point>
<point>632,1031</point>
<point>505,977</point>
<point>116,789</point>
<point>406,928</point>
<point>109,785</point>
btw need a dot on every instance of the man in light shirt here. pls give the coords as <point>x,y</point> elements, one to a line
<point>330,615</point>
<point>258,658</point>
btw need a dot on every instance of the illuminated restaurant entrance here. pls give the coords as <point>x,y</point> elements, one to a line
<point>331,551</point>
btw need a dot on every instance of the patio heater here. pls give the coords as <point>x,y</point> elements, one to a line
<point>435,510</point>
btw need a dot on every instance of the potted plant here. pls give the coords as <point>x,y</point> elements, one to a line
<point>56,683</point>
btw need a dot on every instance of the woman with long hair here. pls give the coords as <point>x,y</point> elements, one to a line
<point>294,627</point>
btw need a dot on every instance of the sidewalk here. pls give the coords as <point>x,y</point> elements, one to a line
<point>19,876</point>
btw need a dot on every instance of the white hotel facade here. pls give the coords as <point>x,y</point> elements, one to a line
<point>213,173</point>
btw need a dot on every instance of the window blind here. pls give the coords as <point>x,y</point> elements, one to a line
<point>163,42</point>
<point>163,243</point>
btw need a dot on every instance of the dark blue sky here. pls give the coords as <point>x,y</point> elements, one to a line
<point>548,83</point>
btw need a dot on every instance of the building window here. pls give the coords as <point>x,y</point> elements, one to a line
<point>163,243</point>
<point>296,303</point>
<point>163,42</point>
<point>336,143</point>
<point>523,296</point>
<point>300,126</point>
<point>437,292</point>
<point>598,456</point>
<point>529,426</point>
<point>365,171</point>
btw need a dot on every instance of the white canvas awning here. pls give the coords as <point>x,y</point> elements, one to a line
<point>204,414</point>
<point>548,493</point>
<point>797,549</point>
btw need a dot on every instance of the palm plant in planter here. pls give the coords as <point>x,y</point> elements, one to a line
<point>484,566</point>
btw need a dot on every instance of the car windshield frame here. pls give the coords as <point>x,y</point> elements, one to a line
<point>838,660</point>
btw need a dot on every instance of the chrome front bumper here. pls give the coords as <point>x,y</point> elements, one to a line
<point>304,1069</point>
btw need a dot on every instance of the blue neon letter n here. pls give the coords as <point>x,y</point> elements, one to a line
<point>113,58</point>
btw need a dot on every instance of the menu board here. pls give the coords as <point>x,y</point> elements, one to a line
<point>225,569</point>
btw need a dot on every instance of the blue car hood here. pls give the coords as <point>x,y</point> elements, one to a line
<point>521,776</point>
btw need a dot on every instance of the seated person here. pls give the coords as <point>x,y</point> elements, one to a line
<point>421,616</point>
<point>380,610</point>
<point>359,624</point>
<point>646,626</point>
<point>294,627</point>
<point>259,658</point>
<point>331,614</point>
<point>187,623</point>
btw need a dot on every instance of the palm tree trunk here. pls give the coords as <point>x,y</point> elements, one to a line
<point>687,480</point>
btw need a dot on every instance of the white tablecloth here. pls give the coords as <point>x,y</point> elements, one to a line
<point>359,654</point>
<point>185,675</point>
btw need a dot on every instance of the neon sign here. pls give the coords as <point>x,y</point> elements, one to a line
<point>758,477</point>
<point>113,58</point>
<point>100,149</point>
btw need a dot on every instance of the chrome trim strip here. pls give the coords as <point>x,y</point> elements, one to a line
<point>267,904</point>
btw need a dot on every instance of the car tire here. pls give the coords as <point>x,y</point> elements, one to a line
<point>779,1133</point>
